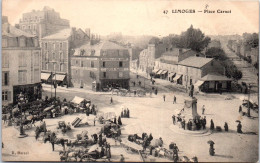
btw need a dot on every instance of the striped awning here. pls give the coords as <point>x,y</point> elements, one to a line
<point>171,74</point>
<point>159,72</point>
<point>155,71</point>
<point>164,72</point>
<point>45,76</point>
<point>59,77</point>
<point>178,76</point>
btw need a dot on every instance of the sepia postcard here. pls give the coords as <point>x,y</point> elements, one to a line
<point>130,81</point>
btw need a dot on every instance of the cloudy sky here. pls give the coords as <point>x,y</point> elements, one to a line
<point>138,17</point>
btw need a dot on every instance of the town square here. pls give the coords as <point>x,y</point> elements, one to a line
<point>73,95</point>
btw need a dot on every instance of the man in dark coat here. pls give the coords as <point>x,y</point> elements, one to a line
<point>100,139</point>
<point>173,119</point>
<point>212,125</point>
<point>226,126</point>
<point>95,137</point>
<point>62,142</point>
<point>115,120</point>
<point>156,91</point>
<point>127,113</point>
<point>111,100</point>
<point>239,128</point>
<point>119,121</point>
<point>174,99</point>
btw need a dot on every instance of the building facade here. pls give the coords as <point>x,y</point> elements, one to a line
<point>148,56</point>
<point>192,69</point>
<point>169,60</point>
<point>56,52</point>
<point>43,23</point>
<point>21,64</point>
<point>101,65</point>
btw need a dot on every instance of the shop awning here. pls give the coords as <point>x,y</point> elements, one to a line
<point>171,74</point>
<point>178,76</point>
<point>77,100</point>
<point>159,72</point>
<point>164,72</point>
<point>198,83</point>
<point>155,71</point>
<point>45,76</point>
<point>59,77</point>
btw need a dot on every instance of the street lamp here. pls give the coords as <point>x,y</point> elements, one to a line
<point>248,109</point>
<point>21,101</point>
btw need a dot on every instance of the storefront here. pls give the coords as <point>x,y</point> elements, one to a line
<point>215,83</point>
<point>31,91</point>
<point>177,79</point>
<point>114,83</point>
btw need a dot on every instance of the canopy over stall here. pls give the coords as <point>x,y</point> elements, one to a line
<point>45,76</point>
<point>59,77</point>
<point>78,100</point>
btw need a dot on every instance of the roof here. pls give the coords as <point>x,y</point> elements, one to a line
<point>197,62</point>
<point>62,34</point>
<point>175,52</point>
<point>88,49</point>
<point>215,77</point>
<point>15,32</point>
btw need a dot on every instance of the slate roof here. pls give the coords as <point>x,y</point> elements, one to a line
<point>105,45</point>
<point>197,62</point>
<point>62,34</point>
<point>215,77</point>
<point>15,32</point>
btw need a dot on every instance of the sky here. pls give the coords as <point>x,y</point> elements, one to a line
<point>143,17</point>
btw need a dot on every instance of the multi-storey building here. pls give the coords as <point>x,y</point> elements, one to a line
<point>101,65</point>
<point>192,69</point>
<point>42,23</point>
<point>167,63</point>
<point>56,49</point>
<point>148,56</point>
<point>21,64</point>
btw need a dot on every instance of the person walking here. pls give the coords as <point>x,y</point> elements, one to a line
<point>128,113</point>
<point>212,125</point>
<point>111,100</point>
<point>52,140</point>
<point>122,159</point>
<point>226,126</point>
<point>94,121</point>
<point>239,128</point>
<point>156,91</point>
<point>174,100</point>
<point>173,119</point>
<point>119,121</point>
<point>203,109</point>
<point>164,98</point>
<point>240,109</point>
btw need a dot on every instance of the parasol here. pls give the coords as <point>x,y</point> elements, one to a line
<point>156,142</point>
<point>211,142</point>
<point>93,148</point>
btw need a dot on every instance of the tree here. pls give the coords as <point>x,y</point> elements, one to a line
<point>193,39</point>
<point>216,53</point>
<point>251,39</point>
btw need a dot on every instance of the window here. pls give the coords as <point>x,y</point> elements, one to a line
<point>120,75</point>
<point>45,45</point>
<point>61,46</point>
<point>5,78</point>
<point>46,56</point>
<point>46,66</point>
<point>53,56</point>
<point>4,95</point>
<point>22,60</point>
<point>22,78</point>
<point>104,64</point>
<point>61,56</point>
<point>5,60</point>
<point>120,64</point>
<point>104,74</point>
<point>92,63</point>
<point>36,59</point>
<point>76,62</point>
<point>36,75</point>
<point>61,67</point>
<point>53,46</point>
<point>81,63</point>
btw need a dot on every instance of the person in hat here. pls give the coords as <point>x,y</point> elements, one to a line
<point>119,121</point>
<point>164,98</point>
<point>203,109</point>
<point>174,100</point>
<point>111,100</point>
<point>240,109</point>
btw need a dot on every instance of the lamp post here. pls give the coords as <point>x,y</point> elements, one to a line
<point>248,109</point>
<point>21,101</point>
